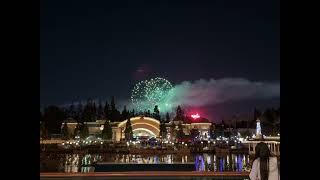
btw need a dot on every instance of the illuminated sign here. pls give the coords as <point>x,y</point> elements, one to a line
<point>195,116</point>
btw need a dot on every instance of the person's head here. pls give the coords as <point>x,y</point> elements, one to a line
<point>257,150</point>
<point>263,152</point>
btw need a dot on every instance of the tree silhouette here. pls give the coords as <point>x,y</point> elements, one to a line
<point>268,115</point>
<point>76,131</point>
<point>113,104</point>
<point>132,113</point>
<point>128,131</point>
<point>256,114</point>
<point>222,128</point>
<point>270,121</point>
<point>79,113</point>
<point>107,131</point>
<point>53,116</point>
<point>156,113</point>
<point>148,114</point>
<point>65,131</point>
<point>94,112</point>
<point>180,133</point>
<point>246,133</point>
<point>179,114</point>
<point>107,110</point>
<point>211,131</point>
<point>167,118</point>
<point>71,111</point>
<point>84,131</point>
<point>43,130</point>
<point>87,111</point>
<point>125,113</point>
<point>100,113</point>
<point>163,130</point>
<point>173,132</point>
<point>115,114</point>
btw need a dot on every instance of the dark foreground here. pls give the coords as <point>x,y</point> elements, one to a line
<point>146,175</point>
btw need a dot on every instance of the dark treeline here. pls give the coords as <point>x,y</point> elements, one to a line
<point>269,119</point>
<point>92,111</point>
<point>53,117</point>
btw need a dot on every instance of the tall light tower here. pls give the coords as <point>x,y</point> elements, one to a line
<point>258,130</point>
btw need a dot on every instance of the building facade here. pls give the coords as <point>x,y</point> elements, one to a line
<point>142,126</point>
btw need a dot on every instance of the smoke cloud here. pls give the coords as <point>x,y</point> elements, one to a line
<point>211,92</point>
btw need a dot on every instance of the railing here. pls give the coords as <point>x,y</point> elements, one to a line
<point>148,175</point>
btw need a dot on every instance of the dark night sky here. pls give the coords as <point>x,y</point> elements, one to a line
<point>98,49</point>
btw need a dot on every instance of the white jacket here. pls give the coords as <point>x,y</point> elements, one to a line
<point>273,169</point>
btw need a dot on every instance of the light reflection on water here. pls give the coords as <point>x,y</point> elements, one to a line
<point>203,162</point>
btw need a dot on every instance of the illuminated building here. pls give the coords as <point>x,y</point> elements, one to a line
<point>146,127</point>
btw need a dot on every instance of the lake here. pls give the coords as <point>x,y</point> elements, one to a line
<point>202,162</point>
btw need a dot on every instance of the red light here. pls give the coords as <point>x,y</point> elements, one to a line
<point>195,116</point>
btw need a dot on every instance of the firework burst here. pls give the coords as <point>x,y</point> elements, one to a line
<point>146,94</point>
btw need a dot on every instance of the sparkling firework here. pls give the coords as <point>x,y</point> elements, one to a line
<point>146,94</point>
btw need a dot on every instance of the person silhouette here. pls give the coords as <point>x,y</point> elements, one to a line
<point>265,166</point>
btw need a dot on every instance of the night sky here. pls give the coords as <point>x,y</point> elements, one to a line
<point>96,49</point>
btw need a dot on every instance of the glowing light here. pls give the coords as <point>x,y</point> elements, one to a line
<point>195,116</point>
<point>138,119</point>
<point>101,127</point>
<point>258,128</point>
